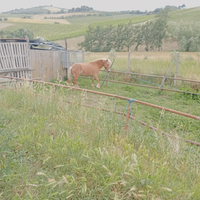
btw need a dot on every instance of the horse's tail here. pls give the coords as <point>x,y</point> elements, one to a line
<point>69,74</point>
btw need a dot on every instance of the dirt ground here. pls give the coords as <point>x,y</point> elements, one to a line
<point>4,25</point>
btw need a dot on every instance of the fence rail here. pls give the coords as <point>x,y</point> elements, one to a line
<point>128,116</point>
<point>154,76</point>
<point>126,83</point>
<point>111,95</point>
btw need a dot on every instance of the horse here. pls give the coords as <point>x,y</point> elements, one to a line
<point>88,69</point>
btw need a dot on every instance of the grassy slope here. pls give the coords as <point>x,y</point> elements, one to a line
<point>52,31</point>
<point>91,19</point>
<point>55,151</point>
<point>186,15</point>
<point>58,31</point>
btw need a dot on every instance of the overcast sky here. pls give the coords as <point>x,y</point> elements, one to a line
<point>103,5</point>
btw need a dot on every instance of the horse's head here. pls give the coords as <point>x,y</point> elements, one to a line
<point>106,64</point>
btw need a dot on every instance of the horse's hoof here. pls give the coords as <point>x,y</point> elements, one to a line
<point>98,86</point>
<point>92,85</point>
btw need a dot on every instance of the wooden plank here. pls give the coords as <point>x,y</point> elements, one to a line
<point>13,58</point>
<point>5,57</point>
<point>2,57</point>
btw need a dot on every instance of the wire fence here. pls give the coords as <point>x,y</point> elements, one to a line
<point>127,112</point>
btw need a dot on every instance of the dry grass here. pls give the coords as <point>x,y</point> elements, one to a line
<point>140,55</point>
<point>156,63</point>
<point>35,21</point>
<point>41,17</point>
<point>72,43</point>
<point>5,25</point>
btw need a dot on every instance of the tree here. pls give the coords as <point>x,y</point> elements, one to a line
<point>20,33</point>
<point>188,36</point>
<point>128,36</point>
<point>159,28</point>
<point>119,37</point>
<point>147,35</point>
<point>138,37</point>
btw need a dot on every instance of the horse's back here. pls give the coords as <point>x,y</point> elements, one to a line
<point>87,69</point>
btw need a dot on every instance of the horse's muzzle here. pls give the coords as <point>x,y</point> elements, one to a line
<point>109,70</point>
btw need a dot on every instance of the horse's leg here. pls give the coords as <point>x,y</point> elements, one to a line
<point>96,77</point>
<point>92,81</point>
<point>76,70</point>
<point>75,81</point>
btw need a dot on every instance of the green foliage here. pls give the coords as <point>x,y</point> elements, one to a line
<point>189,96</point>
<point>188,36</point>
<point>160,28</point>
<point>81,9</point>
<point>19,33</point>
<point>122,37</point>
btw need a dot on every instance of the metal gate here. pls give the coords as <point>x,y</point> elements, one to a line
<point>70,57</point>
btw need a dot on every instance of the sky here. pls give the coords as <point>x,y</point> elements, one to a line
<point>101,5</point>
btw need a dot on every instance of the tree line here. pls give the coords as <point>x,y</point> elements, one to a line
<point>150,34</point>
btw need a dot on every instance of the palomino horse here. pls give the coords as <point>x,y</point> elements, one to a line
<point>88,69</point>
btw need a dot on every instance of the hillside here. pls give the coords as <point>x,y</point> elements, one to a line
<point>37,10</point>
<point>57,26</point>
<point>186,15</point>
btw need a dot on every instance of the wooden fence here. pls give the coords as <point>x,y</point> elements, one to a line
<point>14,59</point>
<point>47,65</point>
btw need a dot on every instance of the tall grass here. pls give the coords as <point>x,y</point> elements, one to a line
<point>54,150</point>
<point>154,63</point>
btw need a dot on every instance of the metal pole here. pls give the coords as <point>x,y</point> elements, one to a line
<point>131,117</point>
<point>166,76</point>
<point>126,83</point>
<point>128,61</point>
<point>111,95</point>
<point>118,72</point>
<point>128,115</point>
<point>176,72</point>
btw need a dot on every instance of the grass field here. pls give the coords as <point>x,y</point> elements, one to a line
<point>91,19</point>
<point>155,63</point>
<point>53,150</point>
<point>186,15</point>
<point>52,31</point>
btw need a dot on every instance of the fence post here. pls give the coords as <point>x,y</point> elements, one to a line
<point>128,61</point>
<point>160,88</point>
<point>128,115</point>
<point>66,54</point>
<point>176,71</point>
<point>66,43</point>
<point>83,56</point>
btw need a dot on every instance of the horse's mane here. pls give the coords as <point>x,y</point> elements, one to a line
<point>104,59</point>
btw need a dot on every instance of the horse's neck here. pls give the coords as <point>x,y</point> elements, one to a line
<point>100,63</point>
